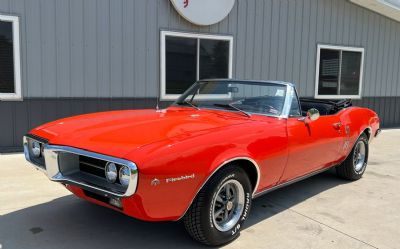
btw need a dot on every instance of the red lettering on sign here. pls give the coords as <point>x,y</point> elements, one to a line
<point>185,3</point>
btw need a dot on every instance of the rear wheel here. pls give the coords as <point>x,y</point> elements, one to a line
<point>355,164</point>
<point>220,208</point>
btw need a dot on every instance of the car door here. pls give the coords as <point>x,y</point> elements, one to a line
<point>312,145</point>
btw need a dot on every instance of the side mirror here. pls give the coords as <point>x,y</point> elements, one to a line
<point>313,114</point>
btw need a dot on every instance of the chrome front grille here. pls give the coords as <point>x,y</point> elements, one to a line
<point>83,168</point>
<point>92,166</point>
<point>27,143</point>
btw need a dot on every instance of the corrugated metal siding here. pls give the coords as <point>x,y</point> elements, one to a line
<point>81,56</point>
<point>110,48</point>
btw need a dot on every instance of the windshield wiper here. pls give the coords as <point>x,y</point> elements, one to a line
<point>234,108</point>
<point>189,103</point>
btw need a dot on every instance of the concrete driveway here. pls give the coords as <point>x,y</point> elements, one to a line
<point>320,212</point>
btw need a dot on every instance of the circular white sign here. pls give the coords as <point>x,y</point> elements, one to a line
<point>203,12</point>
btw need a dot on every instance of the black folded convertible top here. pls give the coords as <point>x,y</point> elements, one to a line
<point>325,106</point>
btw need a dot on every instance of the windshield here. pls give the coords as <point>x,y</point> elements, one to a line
<point>238,96</point>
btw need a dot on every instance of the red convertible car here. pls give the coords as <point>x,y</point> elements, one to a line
<point>204,158</point>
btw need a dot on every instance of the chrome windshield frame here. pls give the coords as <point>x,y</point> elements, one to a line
<point>290,92</point>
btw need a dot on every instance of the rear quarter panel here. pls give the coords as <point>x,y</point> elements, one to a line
<point>355,121</point>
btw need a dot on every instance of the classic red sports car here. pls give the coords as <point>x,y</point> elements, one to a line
<point>204,158</point>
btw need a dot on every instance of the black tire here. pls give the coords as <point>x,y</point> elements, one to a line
<point>198,219</point>
<point>348,170</point>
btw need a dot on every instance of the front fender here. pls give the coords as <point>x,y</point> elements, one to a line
<point>181,167</point>
<point>169,182</point>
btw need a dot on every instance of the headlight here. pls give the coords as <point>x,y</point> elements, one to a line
<point>36,149</point>
<point>124,175</point>
<point>111,172</point>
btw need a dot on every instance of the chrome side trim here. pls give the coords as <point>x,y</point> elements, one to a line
<point>255,164</point>
<point>291,182</point>
<point>219,167</point>
<point>54,174</point>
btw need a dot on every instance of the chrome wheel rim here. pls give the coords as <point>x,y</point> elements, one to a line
<point>359,156</point>
<point>228,205</point>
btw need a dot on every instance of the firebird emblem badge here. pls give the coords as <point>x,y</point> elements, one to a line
<point>155,182</point>
<point>180,178</point>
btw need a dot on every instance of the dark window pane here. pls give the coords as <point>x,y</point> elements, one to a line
<point>350,76</point>
<point>328,72</point>
<point>181,69</point>
<point>214,59</point>
<point>6,58</point>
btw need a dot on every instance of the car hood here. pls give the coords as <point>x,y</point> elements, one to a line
<point>117,133</point>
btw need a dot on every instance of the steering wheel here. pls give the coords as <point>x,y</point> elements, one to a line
<point>271,109</point>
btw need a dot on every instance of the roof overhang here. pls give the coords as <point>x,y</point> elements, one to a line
<point>389,8</point>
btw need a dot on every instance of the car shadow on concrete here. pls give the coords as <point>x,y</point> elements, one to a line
<point>282,199</point>
<point>69,222</point>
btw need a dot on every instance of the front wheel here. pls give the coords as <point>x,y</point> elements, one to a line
<point>355,164</point>
<point>220,208</point>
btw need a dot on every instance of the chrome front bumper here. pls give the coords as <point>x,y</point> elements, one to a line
<point>70,171</point>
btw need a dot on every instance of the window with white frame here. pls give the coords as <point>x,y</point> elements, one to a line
<point>10,72</point>
<point>339,72</point>
<point>187,57</point>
